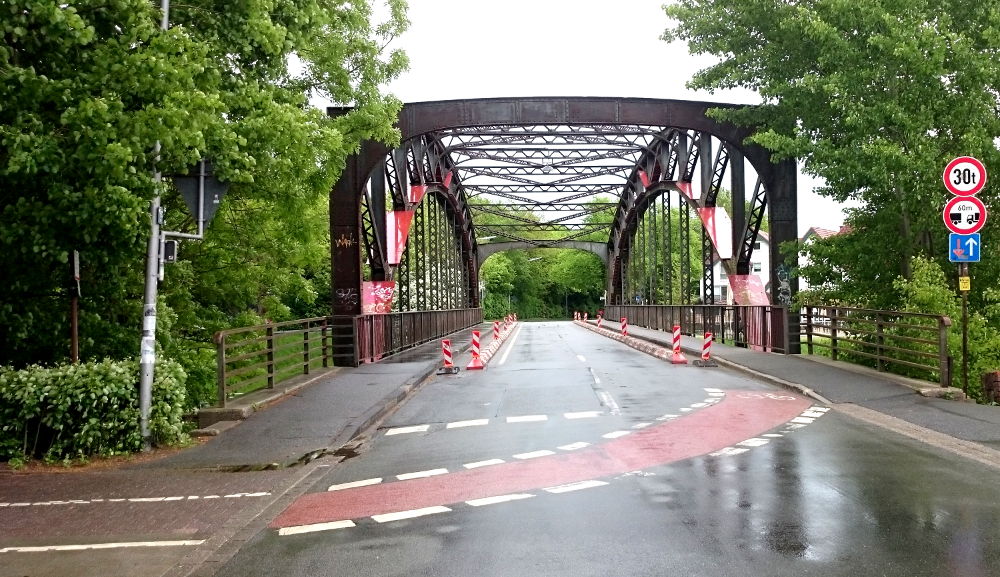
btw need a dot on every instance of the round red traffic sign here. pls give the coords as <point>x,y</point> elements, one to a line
<point>964,176</point>
<point>964,214</point>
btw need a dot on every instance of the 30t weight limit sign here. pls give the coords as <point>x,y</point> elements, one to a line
<point>964,176</point>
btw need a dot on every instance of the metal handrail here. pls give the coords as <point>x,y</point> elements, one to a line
<point>261,356</point>
<point>762,327</point>
<point>255,347</point>
<point>381,335</point>
<point>887,337</point>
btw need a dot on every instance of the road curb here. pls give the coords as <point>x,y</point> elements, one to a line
<point>661,352</point>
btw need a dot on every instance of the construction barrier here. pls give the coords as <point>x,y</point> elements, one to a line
<point>476,364</point>
<point>624,322</point>
<point>448,368</point>
<point>496,330</point>
<point>677,358</point>
<point>599,319</point>
<point>706,353</point>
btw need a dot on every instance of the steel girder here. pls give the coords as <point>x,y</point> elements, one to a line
<point>543,157</point>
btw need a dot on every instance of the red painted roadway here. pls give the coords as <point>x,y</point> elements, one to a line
<point>739,416</point>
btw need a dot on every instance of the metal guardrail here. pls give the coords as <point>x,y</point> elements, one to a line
<point>381,335</point>
<point>913,340</point>
<point>261,356</point>
<point>761,327</point>
<point>257,357</point>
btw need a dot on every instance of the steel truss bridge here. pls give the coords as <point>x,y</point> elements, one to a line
<point>620,177</point>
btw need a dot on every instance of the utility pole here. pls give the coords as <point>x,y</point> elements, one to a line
<point>147,348</point>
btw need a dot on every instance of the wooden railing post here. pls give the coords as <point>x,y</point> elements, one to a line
<point>324,344</point>
<point>220,369</point>
<point>879,342</point>
<point>809,329</point>
<point>944,359</point>
<point>270,356</point>
<point>832,314</point>
<point>305,347</point>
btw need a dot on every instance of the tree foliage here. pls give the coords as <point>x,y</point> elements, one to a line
<point>875,97</point>
<point>89,88</point>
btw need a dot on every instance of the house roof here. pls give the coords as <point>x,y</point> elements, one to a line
<point>821,232</point>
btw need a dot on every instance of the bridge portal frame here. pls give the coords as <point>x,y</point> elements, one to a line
<point>418,119</point>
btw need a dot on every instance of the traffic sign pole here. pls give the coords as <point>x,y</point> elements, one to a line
<point>963,273</point>
<point>964,215</point>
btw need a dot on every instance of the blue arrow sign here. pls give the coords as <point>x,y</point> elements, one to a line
<point>963,247</point>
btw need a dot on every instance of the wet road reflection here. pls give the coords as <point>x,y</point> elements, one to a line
<point>869,503</point>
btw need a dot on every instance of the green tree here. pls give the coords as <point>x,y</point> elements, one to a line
<point>90,86</point>
<point>875,98</point>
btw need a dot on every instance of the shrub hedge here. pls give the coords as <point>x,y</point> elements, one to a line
<point>76,411</point>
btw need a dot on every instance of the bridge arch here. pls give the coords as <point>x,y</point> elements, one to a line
<point>449,149</point>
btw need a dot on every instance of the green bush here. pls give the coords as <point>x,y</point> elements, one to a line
<point>76,411</point>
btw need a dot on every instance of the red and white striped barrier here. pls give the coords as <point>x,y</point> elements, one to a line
<point>499,335</point>
<point>624,322</point>
<point>448,368</point>
<point>476,364</point>
<point>599,319</point>
<point>585,317</point>
<point>677,358</point>
<point>706,353</point>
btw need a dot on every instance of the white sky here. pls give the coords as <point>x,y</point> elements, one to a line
<point>478,49</point>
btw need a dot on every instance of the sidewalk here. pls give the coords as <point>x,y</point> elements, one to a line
<point>295,423</point>
<point>844,384</point>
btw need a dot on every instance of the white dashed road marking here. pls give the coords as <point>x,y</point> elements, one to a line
<point>316,527</point>
<point>409,514</point>
<point>499,499</point>
<point>422,474</point>
<point>487,463</point>
<point>528,419</point>
<point>355,484</point>
<point>575,487</point>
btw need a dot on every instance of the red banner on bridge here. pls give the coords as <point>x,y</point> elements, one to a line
<point>376,296</point>
<point>748,290</point>
<point>397,226</point>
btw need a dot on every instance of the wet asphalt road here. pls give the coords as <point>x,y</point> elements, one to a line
<point>523,470</point>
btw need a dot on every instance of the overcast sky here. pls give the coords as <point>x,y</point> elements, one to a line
<point>484,49</point>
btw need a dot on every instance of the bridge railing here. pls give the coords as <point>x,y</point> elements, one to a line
<point>762,327</point>
<point>259,357</point>
<point>912,344</point>
<point>381,335</point>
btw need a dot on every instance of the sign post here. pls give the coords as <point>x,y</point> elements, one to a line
<point>964,215</point>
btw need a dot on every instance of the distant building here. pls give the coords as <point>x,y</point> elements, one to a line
<point>760,266</point>
<point>812,235</point>
<point>760,262</point>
